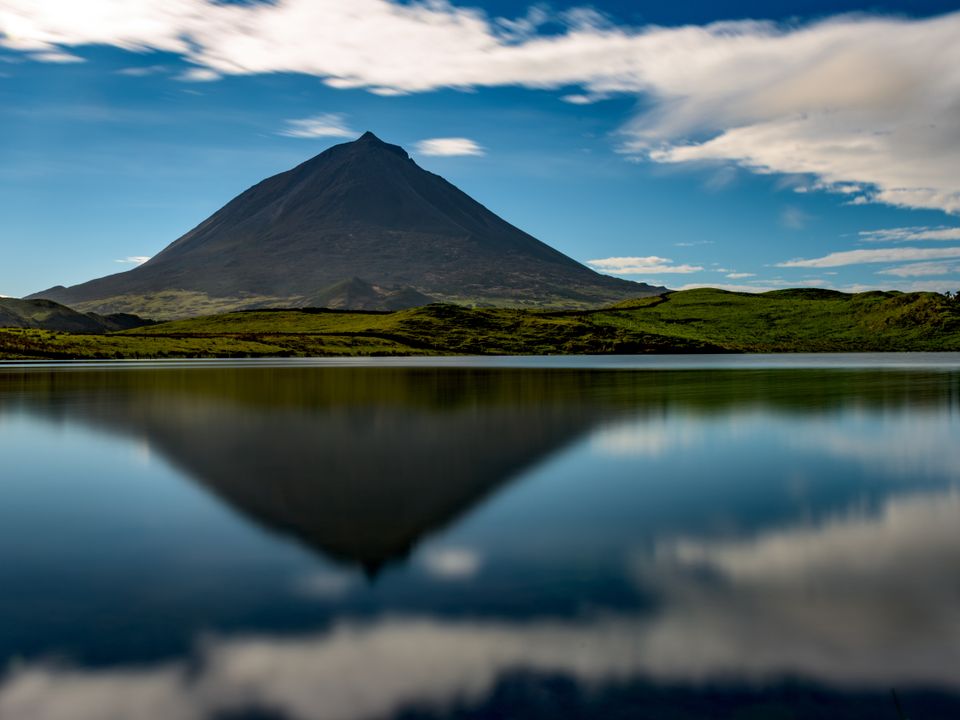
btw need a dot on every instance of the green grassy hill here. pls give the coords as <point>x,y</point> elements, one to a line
<point>48,315</point>
<point>692,321</point>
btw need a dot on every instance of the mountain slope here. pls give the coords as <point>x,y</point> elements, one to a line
<point>361,210</point>
<point>48,315</point>
<point>356,294</point>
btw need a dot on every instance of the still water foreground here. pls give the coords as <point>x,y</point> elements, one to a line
<point>385,542</point>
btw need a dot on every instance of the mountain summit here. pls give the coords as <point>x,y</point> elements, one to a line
<point>361,215</point>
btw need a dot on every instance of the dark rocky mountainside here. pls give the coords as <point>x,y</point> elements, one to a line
<point>363,213</point>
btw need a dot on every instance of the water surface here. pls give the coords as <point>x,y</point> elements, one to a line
<point>504,538</point>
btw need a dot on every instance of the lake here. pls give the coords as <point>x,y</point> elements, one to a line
<point>725,537</point>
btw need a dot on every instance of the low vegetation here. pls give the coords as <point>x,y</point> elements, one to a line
<point>692,321</point>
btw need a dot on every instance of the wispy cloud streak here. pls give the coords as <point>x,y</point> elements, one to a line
<point>651,265</point>
<point>858,257</point>
<point>911,234</point>
<point>448,147</point>
<point>322,125</point>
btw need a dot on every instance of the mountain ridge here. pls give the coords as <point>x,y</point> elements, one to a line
<point>359,210</point>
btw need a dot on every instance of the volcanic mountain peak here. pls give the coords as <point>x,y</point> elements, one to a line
<point>359,209</point>
<point>368,138</point>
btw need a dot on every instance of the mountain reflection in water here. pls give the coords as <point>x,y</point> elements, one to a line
<point>558,543</point>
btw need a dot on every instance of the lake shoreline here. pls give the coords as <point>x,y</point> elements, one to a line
<point>693,362</point>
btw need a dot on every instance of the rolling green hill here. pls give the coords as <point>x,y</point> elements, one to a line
<point>692,321</point>
<point>48,315</point>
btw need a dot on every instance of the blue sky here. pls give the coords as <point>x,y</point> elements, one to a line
<point>739,144</point>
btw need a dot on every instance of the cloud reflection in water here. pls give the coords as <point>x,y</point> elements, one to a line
<point>860,601</point>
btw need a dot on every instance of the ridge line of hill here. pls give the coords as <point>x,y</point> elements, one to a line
<point>690,321</point>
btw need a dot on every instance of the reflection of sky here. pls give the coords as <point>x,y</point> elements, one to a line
<point>742,546</point>
<point>98,537</point>
<point>715,475</point>
<point>858,602</point>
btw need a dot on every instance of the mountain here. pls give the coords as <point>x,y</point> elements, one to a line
<point>360,211</point>
<point>359,464</point>
<point>357,294</point>
<point>49,315</point>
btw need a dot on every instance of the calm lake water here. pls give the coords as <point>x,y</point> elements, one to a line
<point>753,537</point>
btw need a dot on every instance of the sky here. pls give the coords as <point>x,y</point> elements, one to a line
<point>739,144</point>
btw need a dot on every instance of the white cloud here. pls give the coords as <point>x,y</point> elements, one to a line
<point>579,99</point>
<point>865,105</point>
<point>199,75</point>
<point>450,146</point>
<point>646,438</point>
<point>451,563</point>
<point>919,444</point>
<point>693,243</point>
<point>818,601</point>
<point>729,287</point>
<point>651,265</point>
<point>56,56</point>
<point>322,125</point>
<point>911,234</point>
<point>860,104</point>
<point>42,693</point>
<point>857,257</point>
<point>921,269</point>
<point>740,275</point>
<point>143,71</point>
<point>388,92</point>
<point>134,260</point>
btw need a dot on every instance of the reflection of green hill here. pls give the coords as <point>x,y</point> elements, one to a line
<point>360,463</point>
<point>437,388</point>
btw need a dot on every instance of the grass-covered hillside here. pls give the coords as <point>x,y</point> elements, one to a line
<point>49,315</point>
<point>692,321</point>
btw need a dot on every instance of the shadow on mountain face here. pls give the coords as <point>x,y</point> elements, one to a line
<point>360,464</point>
